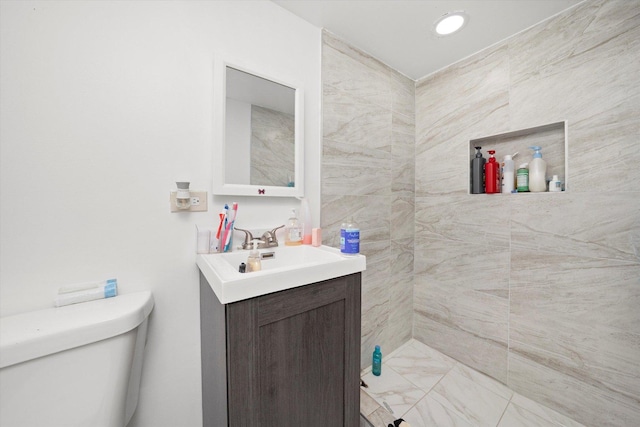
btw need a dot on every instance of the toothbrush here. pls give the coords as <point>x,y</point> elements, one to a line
<point>223,227</point>
<point>221,214</point>
<point>229,230</point>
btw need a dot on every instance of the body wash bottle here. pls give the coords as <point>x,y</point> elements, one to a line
<point>293,232</point>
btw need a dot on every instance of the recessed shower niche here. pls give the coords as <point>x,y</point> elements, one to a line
<point>552,137</point>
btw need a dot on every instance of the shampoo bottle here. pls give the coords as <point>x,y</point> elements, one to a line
<point>293,232</point>
<point>508,175</point>
<point>492,174</point>
<point>537,172</point>
<point>376,366</point>
<point>477,172</point>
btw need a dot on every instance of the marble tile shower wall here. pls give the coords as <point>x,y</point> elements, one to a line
<point>368,166</point>
<point>540,291</point>
<point>272,147</point>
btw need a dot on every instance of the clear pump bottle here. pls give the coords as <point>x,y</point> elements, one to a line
<point>253,262</point>
<point>293,231</point>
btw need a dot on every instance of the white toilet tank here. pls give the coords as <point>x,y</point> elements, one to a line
<point>78,365</point>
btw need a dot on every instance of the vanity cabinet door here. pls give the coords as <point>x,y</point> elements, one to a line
<point>293,356</point>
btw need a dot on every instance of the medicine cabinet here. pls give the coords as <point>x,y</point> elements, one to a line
<point>552,137</point>
<point>258,147</point>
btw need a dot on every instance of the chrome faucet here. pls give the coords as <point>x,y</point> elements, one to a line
<point>268,239</point>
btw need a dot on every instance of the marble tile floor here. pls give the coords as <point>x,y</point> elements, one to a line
<point>428,389</point>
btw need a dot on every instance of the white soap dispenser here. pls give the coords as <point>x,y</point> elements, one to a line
<point>253,262</point>
<point>293,232</point>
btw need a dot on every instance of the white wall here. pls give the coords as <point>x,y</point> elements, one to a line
<point>104,105</point>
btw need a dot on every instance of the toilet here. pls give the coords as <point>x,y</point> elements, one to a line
<point>78,365</point>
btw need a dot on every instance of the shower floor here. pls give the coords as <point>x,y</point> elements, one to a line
<point>426,388</point>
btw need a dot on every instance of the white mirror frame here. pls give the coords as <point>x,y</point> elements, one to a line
<point>220,186</point>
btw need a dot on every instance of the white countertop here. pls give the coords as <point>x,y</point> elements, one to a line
<point>291,267</point>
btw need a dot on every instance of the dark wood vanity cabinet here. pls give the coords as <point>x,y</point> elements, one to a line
<point>290,358</point>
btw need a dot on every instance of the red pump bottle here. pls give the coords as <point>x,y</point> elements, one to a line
<point>492,174</point>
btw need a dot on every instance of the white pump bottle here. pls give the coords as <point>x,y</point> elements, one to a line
<point>537,172</point>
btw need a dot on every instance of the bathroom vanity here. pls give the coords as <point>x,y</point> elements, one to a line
<point>284,357</point>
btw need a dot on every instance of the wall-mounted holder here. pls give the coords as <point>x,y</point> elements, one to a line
<point>184,200</point>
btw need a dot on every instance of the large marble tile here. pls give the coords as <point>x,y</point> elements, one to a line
<point>347,118</point>
<point>405,125</point>
<point>368,405</point>
<point>470,219</point>
<point>402,216</point>
<point>516,416</point>
<point>487,382</point>
<point>479,313</point>
<point>542,411</point>
<point>402,95</point>
<point>400,293</point>
<point>366,80</point>
<point>375,308</point>
<point>355,170</point>
<point>429,412</point>
<point>600,225</point>
<point>584,401</point>
<point>598,356</point>
<point>461,267</point>
<point>364,210</point>
<point>469,400</point>
<point>392,390</point>
<point>381,418</point>
<point>612,135</point>
<point>422,367</point>
<point>450,102</point>
<point>483,354</point>
<point>358,59</point>
<point>569,67</point>
<point>402,165</point>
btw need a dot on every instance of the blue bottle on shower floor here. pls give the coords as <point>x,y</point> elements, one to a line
<point>376,368</point>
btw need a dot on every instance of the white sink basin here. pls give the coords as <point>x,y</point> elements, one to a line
<point>291,266</point>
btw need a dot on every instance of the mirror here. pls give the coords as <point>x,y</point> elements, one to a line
<point>258,128</point>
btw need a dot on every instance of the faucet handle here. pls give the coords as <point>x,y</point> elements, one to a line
<point>248,238</point>
<point>270,236</point>
<point>273,232</point>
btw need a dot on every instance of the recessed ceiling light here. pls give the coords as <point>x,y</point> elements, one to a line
<point>450,22</point>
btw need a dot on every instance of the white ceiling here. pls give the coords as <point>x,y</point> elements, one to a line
<point>399,32</point>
